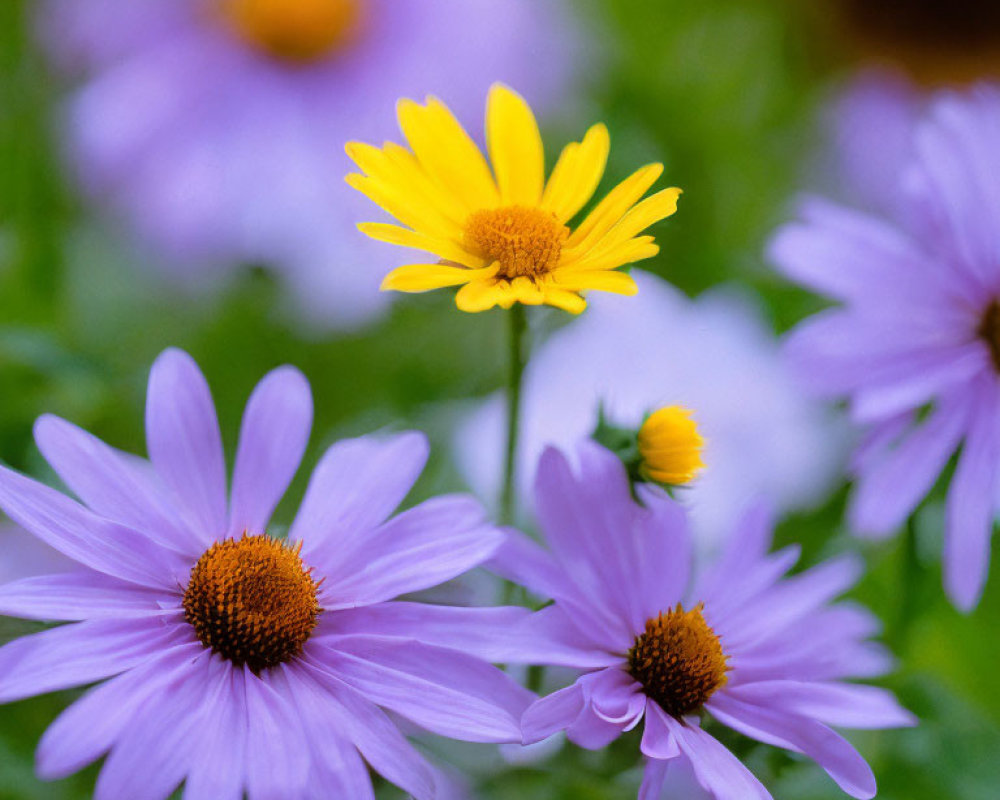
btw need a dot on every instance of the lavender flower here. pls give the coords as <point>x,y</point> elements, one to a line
<point>761,653</point>
<point>914,343</point>
<point>216,128</point>
<point>236,661</point>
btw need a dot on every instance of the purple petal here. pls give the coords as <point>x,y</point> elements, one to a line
<point>970,508</point>
<point>830,750</point>
<point>443,690</point>
<point>364,724</point>
<point>653,776</point>
<point>339,771</point>
<point>889,489</point>
<point>426,545</point>
<point>841,704</point>
<point>792,600</point>
<point>78,596</point>
<point>590,531</point>
<point>551,636</point>
<point>115,485</point>
<point>552,713</point>
<point>155,749</point>
<point>88,539</point>
<point>273,437</point>
<point>81,653</point>
<point>747,546</point>
<point>657,740</point>
<point>89,727</point>
<point>926,375</point>
<point>524,562</point>
<point>356,485</point>
<point>591,732</point>
<point>718,771</point>
<point>615,696</point>
<point>488,633</point>
<point>956,163</point>
<point>277,753</point>
<point>184,443</point>
<point>845,254</point>
<point>217,771</point>
<point>664,544</point>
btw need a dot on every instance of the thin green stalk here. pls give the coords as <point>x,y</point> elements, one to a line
<point>910,578</point>
<point>518,357</point>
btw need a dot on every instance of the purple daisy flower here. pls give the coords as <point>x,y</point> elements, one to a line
<point>761,653</point>
<point>914,343</point>
<point>235,661</point>
<point>216,128</point>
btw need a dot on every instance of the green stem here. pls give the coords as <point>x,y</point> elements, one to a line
<point>518,355</point>
<point>909,590</point>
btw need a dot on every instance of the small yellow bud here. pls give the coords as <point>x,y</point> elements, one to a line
<point>670,447</point>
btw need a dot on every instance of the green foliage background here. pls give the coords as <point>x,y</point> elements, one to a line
<point>725,93</point>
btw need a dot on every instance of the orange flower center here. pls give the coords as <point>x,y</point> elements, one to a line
<point>294,30</point>
<point>252,600</point>
<point>524,241</point>
<point>678,660</point>
<point>989,331</point>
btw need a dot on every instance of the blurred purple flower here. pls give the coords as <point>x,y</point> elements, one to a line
<point>762,653</point>
<point>915,342</point>
<point>872,122</point>
<point>235,661</point>
<point>714,355</point>
<point>217,151</point>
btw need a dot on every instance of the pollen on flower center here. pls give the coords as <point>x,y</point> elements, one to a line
<point>524,241</point>
<point>294,30</point>
<point>252,600</point>
<point>678,660</point>
<point>989,331</point>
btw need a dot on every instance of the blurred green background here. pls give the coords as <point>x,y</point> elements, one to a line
<point>726,94</point>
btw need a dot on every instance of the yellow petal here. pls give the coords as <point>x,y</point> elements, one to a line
<point>406,209</point>
<point>404,237</point>
<point>394,180</point>
<point>447,153</point>
<point>564,299</point>
<point>654,208</point>
<point>397,169</point>
<point>613,207</point>
<point>526,291</point>
<point>628,252</point>
<point>515,147</point>
<point>478,296</point>
<point>411,170</point>
<point>577,173</point>
<point>601,280</point>
<point>423,277</point>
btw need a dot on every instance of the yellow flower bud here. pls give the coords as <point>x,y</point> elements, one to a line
<point>670,447</point>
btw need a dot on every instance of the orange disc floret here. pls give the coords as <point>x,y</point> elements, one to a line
<point>252,601</point>
<point>679,661</point>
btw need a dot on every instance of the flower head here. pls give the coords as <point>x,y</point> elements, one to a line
<point>760,652</point>
<point>913,343</point>
<point>211,128</point>
<point>232,659</point>
<point>504,235</point>
<point>670,446</point>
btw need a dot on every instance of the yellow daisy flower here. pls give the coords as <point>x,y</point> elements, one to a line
<point>503,235</point>
<point>670,447</point>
